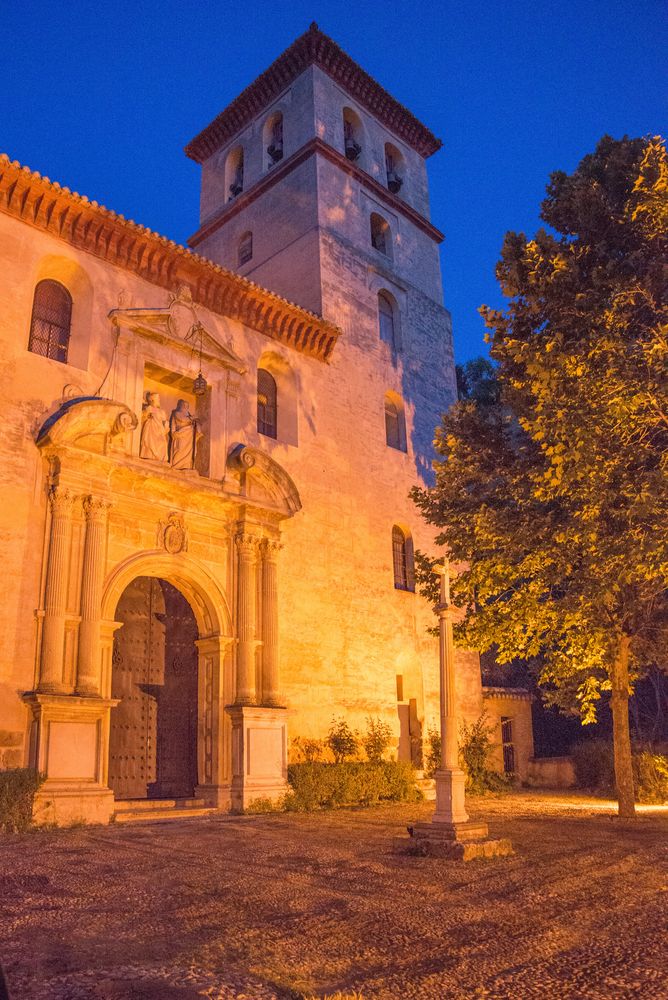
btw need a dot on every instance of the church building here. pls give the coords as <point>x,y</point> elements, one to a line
<point>207,453</point>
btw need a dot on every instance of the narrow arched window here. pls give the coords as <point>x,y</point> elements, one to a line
<point>51,321</point>
<point>267,413</point>
<point>394,168</point>
<point>234,172</point>
<point>245,248</point>
<point>402,559</point>
<point>395,422</point>
<point>380,234</point>
<point>273,139</point>
<point>352,134</point>
<point>386,319</point>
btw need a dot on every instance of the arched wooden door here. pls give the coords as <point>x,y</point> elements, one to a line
<point>153,737</point>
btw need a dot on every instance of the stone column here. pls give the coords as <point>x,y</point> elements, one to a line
<point>88,664</point>
<point>247,556</point>
<point>450,779</point>
<point>270,661</point>
<point>55,598</point>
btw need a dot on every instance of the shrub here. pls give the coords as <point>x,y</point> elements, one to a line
<point>650,776</point>
<point>475,749</point>
<point>349,783</point>
<point>594,766</point>
<point>433,754</point>
<point>377,739</point>
<point>17,792</point>
<point>307,749</point>
<point>341,740</point>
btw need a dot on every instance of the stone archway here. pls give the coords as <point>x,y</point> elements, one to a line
<point>190,593</point>
<point>153,730</point>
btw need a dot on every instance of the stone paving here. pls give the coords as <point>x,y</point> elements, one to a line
<point>284,906</point>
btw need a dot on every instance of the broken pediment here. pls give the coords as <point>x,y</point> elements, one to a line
<point>178,324</point>
<point>87,422</point>
<point>262,480</point>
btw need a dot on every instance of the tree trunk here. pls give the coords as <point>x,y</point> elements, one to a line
<point>619,703</point>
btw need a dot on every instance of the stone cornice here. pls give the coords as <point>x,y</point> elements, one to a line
<point>45,205</point>
<point>313,48</point>
<point>309,148</point>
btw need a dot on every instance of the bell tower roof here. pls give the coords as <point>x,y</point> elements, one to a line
<point>313,48</point>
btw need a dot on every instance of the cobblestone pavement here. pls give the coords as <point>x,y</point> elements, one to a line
<point>283,906</point>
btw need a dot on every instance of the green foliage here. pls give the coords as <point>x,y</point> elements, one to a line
<point>593,765</point>
<point>432,758</point>
<point>349,783</point>
<point>17,792</point>
<point>650,774</point>
<point>377,739</point>
<point>475,750</point>
<point>553,501</point>
<point>342,741</point>
<point>263,805</point>
<point>477,380</point>
<point>305,749</point>
<point>594,771</point>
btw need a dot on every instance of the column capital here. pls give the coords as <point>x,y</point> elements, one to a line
<point>270,548</point>
<point>96,508</point>
<point>61,499</point>
<point>246,543</point>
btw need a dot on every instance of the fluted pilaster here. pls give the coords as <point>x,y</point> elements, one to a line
<point>55,599</point>
<point>247,546</point>
<point>270,657</point>
<point>88,663</point>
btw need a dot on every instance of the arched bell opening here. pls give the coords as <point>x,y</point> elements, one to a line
<point>153,751</point>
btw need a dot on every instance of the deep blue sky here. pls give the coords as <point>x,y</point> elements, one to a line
<point>103,97</point>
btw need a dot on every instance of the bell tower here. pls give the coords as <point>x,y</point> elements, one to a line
<point>314,185</point>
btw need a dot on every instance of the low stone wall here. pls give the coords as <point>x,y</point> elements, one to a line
<point>550,772</point>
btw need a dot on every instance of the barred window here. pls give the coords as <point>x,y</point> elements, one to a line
<point>267,416</point>
<point>402,558</point>
<point>51,321</point>
<point>245,248</point>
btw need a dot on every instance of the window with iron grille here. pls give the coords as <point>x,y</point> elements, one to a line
<point>402,559</point>
<point>508,745</point>
<point>51,321</point>
<point>386,319</point>
<point>266,404</point>
<point>245,248</point>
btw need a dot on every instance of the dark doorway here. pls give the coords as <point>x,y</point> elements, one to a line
<point>153,738</point>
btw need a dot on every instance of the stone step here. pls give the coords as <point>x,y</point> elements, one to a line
<point>163,815</point>
<point>150,805</point>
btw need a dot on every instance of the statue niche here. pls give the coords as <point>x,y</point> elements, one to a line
<point>183,437</point>
<point>155,430</point>
<point>169,440</point>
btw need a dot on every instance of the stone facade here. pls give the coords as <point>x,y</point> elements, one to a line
<point>282,546</point>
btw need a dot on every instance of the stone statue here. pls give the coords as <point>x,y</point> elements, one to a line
<point>183,437</point>
<point>155,428</point>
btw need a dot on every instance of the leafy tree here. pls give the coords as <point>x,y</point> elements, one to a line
<point>477,380</point>
<point>552,499</point>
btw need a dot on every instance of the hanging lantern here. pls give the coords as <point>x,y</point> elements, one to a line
<point>199,384</point>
